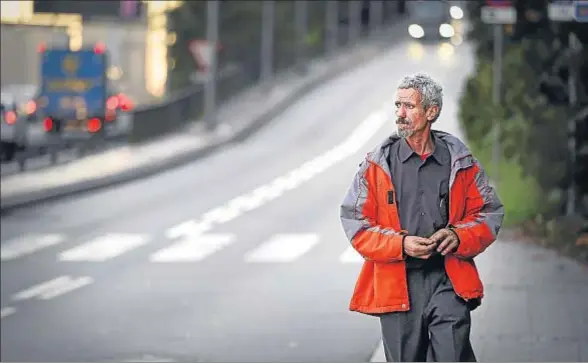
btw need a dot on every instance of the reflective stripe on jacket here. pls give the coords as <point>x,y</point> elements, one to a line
<point>373,227</point>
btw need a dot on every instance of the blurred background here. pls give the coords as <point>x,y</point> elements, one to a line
<point>94,93</point>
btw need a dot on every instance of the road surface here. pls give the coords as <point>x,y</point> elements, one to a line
<point>236,257</point>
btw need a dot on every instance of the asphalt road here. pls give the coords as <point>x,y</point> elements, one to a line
<point>219,260</point>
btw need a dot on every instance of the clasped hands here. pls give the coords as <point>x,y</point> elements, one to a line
<point>443,241</point>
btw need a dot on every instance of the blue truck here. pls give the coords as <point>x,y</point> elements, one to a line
<point>73,94</point>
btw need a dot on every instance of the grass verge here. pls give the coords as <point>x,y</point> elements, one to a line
<point>519,194</point>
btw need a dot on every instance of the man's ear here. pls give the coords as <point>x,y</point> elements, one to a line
<point>432,112</point>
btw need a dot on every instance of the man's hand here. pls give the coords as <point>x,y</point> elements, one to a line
<point>446,241</point>
<point>418,247</point>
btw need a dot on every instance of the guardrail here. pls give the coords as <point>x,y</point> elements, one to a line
<point>142,124</point>
<point>186,106</point>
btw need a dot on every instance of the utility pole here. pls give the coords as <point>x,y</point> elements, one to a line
<point>497,13</point>
<point>301,22</point>
<point>568,12</point>
<point>267,43</point>
<point>354,26</point>
<point>376,15</point>
<point>212,7</point>
<point>497,87</point>
<point>575,46</point>
<point>332,20</point>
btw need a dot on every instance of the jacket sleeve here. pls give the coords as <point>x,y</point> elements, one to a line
<point>358,217</point>
<point>483,215</point>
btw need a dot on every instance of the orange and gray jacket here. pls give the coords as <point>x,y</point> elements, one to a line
<point>372,225</point>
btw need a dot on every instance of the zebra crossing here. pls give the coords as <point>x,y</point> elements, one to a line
<point>277,248</point>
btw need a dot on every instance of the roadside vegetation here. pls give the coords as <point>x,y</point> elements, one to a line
<point>535,165</point>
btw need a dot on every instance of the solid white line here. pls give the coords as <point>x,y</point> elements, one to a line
<point>293,179</point>
<point>283,248</point>
<point>28,244</point>
<point>104,247</point>
<point>192,248</point>
<point>7,311</point>
<point>351,256</point>
<point>379,355</point>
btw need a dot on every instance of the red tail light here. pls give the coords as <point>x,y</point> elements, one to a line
<point>41,47</point>
<point>99,48</point>
<point>47,124</point>
<point>125,103</point>
<point>10,117</point>
<point>94,125</point>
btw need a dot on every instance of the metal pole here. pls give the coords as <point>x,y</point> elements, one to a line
<point>353,13</point>
<point>573,99</point>
<point>267,43</point>
<point>210,85</point>
<point>376,13</point>
<point>332,20</point>
<point>496,149</point>
<point>301,23</point>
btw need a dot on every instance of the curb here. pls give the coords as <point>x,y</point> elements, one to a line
<point>64,191</point>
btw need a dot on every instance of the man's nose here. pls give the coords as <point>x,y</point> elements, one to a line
<point>401,111</point>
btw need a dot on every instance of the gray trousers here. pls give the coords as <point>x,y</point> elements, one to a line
<point>437,327</point>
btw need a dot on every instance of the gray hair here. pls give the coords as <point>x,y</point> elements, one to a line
<point>430,90</point>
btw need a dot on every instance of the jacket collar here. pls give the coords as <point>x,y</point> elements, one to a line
<point>460,155</point>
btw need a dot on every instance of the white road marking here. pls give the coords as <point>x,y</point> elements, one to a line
<point>104,248</point>
<point>64,289</point>
<point>7,311</point>
<point>351,256</point>
<point>52,288</point>
<point>193,247</point>
<point>39,289</point>
<point>379,355</point>
<point>283,248</point>
<point>293,179</point>
<point>28,244</point>
<point>148,358</point>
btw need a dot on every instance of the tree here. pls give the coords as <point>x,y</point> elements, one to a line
<point>239,34</point>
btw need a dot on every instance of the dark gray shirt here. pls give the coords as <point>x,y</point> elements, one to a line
<point>422,190</point>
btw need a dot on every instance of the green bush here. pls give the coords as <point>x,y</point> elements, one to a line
<point>533,135</point>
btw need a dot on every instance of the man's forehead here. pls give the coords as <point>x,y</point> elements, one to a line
<point>408,94</point>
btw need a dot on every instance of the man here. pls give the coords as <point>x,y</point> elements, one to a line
<point>419,210</point>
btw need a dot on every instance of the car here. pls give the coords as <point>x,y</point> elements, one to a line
<point>18,110</point>
<point>431,20</point>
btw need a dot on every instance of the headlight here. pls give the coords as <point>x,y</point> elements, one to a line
<point>416,31</point>
<point>456,12</point>
<point>446,31</point>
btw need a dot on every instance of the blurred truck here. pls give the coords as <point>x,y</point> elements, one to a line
<point>75,98</point>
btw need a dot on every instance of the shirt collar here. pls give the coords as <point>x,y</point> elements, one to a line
<point>405,152</point>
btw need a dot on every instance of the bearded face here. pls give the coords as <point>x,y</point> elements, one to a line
<point>412,117</point>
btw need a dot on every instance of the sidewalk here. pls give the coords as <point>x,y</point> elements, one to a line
<point>535,309</point>
<point>238,119</point>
